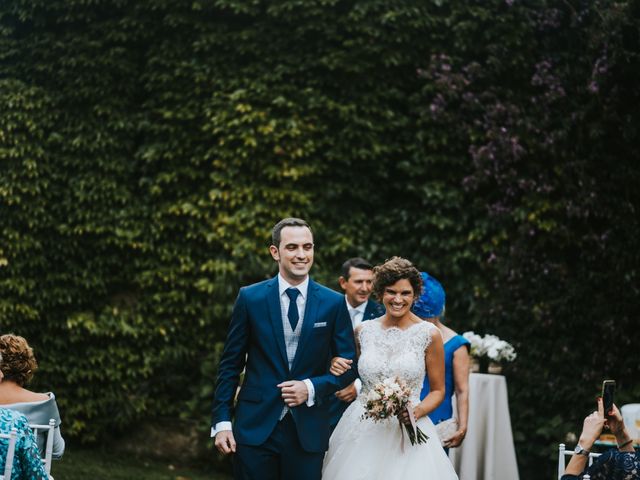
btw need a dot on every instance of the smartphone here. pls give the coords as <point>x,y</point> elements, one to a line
<point>608,389</point>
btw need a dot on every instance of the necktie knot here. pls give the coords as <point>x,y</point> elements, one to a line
<point>292,293</point>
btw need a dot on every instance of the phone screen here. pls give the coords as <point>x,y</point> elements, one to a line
<point>608,389</point>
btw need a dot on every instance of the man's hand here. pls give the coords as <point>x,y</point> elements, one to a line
<point>294,392</point>
<point>347,394</point>
<point>339,366</point>
<point>225,443</point>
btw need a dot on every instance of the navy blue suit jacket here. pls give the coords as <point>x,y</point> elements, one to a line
<point>373,310</point>
<point>256,340</point>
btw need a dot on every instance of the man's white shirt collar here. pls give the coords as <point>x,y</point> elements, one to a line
<point>360,308</point>
<point>302,287</point>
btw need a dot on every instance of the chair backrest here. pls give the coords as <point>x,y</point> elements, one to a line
<point>47,455</point>
<point>8,462</point>
<point>631,417</point>
<point>562,453</point>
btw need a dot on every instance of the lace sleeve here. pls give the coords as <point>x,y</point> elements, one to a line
<point>426,337</point>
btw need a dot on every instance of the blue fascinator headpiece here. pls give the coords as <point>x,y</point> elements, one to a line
<point>431,302</point>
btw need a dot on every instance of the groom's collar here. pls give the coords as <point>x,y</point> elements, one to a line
<point>302,287</point>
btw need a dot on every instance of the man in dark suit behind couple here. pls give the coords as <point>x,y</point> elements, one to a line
<point>283,332</point>
<point>357,282</point>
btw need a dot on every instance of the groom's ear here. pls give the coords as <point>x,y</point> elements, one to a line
<point>274,253</point>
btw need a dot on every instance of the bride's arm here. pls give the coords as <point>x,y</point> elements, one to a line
<point>434,363</point>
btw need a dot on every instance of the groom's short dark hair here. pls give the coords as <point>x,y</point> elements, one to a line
<point>286,222</point>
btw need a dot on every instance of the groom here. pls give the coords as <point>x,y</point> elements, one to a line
<point>283,331</point>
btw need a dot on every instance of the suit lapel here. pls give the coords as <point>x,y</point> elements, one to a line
<point>371,311</point>
<point>368,311</point>
<point>275,314</point>
<point>310,314</point>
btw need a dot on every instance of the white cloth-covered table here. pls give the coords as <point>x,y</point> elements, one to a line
<point>487,452</point>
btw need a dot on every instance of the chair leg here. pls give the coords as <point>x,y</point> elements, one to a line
<point>561,449</point>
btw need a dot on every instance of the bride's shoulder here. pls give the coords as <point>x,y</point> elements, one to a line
<point>428,332</point>
<point>368,325</point>
<point>431,328</point>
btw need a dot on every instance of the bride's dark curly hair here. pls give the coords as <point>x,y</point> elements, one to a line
<point>392,270</point>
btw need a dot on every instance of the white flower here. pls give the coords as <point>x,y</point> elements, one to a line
<point>490,346</point>
<point>501,350</point>
<point>478,348</point>
<point>389,382</point>
<point>373,396</point>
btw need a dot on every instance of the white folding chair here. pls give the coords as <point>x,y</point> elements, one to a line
<point>562,453</point>
<point>11,448</point>
<point>48,446</point>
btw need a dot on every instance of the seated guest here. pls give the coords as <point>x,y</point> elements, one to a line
<point>18,367</point>
<point>27,464</point>
<point>622,463</point>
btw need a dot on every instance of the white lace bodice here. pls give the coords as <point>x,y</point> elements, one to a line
<point>393,352</point>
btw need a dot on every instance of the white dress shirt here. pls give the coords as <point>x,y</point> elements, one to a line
<point>356,313</point>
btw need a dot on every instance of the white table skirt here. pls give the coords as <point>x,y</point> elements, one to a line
<point>487,452</point>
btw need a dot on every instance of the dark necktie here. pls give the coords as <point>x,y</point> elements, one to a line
<point>293,314</point>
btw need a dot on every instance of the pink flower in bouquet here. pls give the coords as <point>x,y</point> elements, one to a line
<point>388,399</point>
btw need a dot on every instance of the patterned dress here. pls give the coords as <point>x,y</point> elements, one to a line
<point>612,465</point>
<point>27,464</point>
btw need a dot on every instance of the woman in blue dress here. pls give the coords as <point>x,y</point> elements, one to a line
<point>430,307</point>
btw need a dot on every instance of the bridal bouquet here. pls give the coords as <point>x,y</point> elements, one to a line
<point>388,399</point>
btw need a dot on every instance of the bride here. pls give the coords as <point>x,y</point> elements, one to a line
<point>396,344</point>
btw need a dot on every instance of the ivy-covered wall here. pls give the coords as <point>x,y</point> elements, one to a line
<point>146,148</point>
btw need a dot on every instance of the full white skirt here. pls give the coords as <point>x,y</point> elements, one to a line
<point>367,450</point>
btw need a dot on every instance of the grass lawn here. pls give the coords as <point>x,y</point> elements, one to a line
<point>85,464</point>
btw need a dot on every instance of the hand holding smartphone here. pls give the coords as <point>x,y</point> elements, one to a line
<point>608,390</point>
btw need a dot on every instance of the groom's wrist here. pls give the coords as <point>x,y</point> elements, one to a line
<point>358,384</point>
<point>220,427</point>
<point>311,392</point>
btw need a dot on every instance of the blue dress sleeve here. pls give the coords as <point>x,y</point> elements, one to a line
<point>459,341</point>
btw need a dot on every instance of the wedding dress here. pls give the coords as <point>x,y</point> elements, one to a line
<point>361,449</point>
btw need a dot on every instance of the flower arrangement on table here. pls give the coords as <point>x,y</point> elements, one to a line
<point>389,398</point>
<point>490,347</point>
